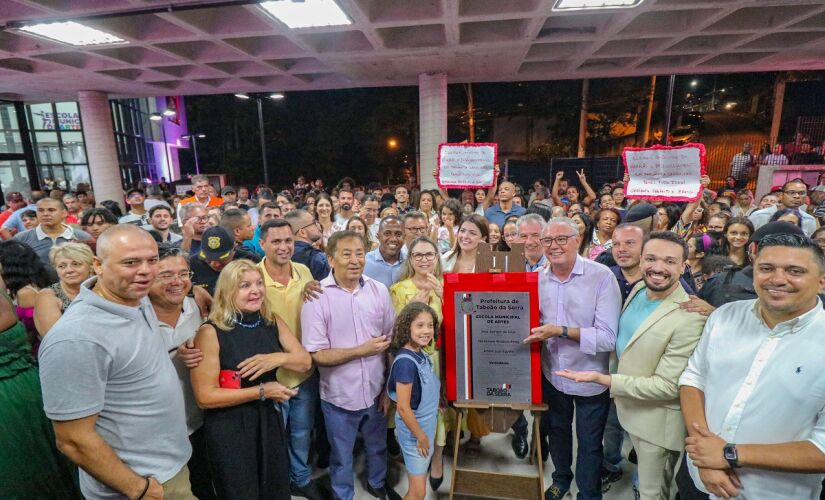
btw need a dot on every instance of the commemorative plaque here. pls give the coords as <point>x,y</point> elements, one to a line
<point>487,316</point>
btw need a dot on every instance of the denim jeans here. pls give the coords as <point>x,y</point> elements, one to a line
<point>299,417</point>
<point>557,423</point>
<point>613,439</point>
<point>342,428</point>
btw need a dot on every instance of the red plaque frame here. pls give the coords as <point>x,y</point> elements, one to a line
<point>489,282</point>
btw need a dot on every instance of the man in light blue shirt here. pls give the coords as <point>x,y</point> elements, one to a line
<point>14,224</point>
<point>384,264</point>
<point>505,207</point>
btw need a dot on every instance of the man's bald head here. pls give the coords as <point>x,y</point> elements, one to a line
<point>120,236</point>
<point>506,191</point>
<point>126,264</point>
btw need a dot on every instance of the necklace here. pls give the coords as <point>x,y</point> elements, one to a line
<point>248,325</point>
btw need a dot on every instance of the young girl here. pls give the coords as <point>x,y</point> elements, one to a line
<point>416,390</point>
<point>445,234</point>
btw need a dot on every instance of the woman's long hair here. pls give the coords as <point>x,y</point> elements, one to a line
<point>369,243</point>
<point>324,196</point>
<point>407,270</point>
<point>724,246</point>
<point>483,226</point>
<point>587,237</point>
<point>21,267</point>
<point>403,323</point>
<point>224,313</point>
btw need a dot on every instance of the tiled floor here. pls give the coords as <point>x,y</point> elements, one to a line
<point>497,455</point>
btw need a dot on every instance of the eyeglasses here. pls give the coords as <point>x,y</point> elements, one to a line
<point>313,223</point>
<point>510,236</point>
<point>170,277</point>
<point>202,218</point>
<point>428,256</point>
<point>561,240</point>
<point>796,193</point>
<point>417,229</point>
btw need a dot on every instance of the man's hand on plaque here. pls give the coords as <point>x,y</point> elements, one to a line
<point>542,333</point>
<point>587,376</point>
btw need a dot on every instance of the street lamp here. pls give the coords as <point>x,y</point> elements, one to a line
<point>194,138</point>
<point>259,99</point>
<point>158,117</point>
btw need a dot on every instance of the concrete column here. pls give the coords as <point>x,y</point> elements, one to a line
<point>583,118</point>
<point>98,133</point>
<point>778,102</point>
<point>432,109</point>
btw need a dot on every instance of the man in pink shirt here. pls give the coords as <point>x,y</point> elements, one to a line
<point>347,331</point>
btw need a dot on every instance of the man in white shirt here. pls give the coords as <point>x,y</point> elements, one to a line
<point>346,201</point>
<point>160,219</point>
<point>753,393</point>
<point>137,211</point>
<point>792,196</point>
<point>179,319</point>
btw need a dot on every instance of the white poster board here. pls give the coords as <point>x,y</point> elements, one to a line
<point>665,173</point>
<point>467,166</point>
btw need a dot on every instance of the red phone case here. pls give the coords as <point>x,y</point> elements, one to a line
<point>229,379</point>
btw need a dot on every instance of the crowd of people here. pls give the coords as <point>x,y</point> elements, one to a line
<point>232,343</point>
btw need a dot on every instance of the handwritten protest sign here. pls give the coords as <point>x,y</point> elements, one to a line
<point>665,173</point>
<point>466,165</point>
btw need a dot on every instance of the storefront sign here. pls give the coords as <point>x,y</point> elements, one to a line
<point>65,121</point>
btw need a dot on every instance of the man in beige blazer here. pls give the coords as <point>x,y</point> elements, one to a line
<point>654,343</point>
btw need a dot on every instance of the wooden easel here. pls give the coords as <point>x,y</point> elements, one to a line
<point>498,417</point>
<point>483,483</point>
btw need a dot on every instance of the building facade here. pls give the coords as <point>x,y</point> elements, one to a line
<point>43,145</point>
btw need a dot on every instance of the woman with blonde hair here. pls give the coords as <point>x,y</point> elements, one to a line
<point>473,231</point>
<point>73,263</point>
<point>243,344</point>
<point>421,281</point>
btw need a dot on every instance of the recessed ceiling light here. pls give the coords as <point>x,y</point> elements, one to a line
<point>72,33</point>
<point>276,95</point>
<point>306,13</point>
<point>594,4</point>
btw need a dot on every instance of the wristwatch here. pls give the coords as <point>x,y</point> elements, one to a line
<point>731,455</point>
<point>564,332</point>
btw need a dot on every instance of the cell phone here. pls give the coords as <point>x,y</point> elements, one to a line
<point>229,379</point>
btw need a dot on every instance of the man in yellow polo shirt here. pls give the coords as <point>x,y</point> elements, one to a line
<point>284,281</point>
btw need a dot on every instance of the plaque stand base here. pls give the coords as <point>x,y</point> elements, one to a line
<point>479,483</point>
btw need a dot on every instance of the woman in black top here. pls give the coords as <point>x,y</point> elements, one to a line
<point>243,344</point>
